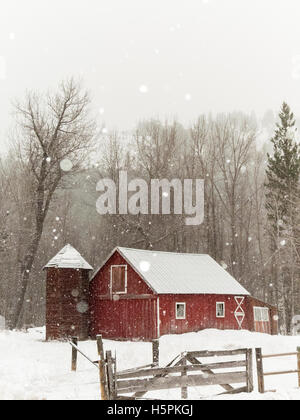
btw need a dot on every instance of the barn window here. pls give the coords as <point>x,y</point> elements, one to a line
<point>220,310</point>
<point>118,279</point>
<point>180,310</point>
<point>261,314</point>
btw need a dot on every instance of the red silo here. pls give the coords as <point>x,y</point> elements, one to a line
<point>67,296</point>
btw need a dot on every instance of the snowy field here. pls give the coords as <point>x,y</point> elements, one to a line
<point>31,369</point>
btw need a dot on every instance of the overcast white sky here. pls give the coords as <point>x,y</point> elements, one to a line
<point>194,56</point>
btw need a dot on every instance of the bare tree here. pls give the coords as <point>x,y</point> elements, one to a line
<point>55,136</point>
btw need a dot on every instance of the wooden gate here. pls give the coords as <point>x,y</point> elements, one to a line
<point>184,371</point>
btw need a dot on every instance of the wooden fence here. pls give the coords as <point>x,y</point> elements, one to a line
<point>260,368</point>
<point>75,351</point>
<point>182,372</point>
<point>104,365</point>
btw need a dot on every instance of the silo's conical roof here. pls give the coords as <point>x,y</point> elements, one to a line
<point>69,257</point>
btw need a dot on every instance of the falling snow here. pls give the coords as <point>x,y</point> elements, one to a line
<point>32,369</point>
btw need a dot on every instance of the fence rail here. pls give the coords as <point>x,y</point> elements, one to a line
<point>260,367</point>
<point>184,371</point>
<point>75,351</point>
<point>177,374</point>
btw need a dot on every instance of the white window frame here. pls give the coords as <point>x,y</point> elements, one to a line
<point>266,311</point>
<point>256,314</point>
<point>184,305</point>
<point>224,307</point>
<point>111,281</point>
<point>263,310</point>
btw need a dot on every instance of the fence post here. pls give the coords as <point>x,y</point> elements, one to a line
<point>184,390</point>
<point>110,376</point>
<point>74,354</point>
<point>102,370</point>
<point>155,352</point>
<point>260,371</point>
<point>298,365</point>
<point>115,375</point>
<point>249,361</point>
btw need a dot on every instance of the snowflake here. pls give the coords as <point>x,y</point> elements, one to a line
<point>145,266</point>
<point>66,165</point>
<point>144,89</point>
<point>224,265</point>
<point>82,307</point>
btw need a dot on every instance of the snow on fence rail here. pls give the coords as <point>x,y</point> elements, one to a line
<point>260,368</point>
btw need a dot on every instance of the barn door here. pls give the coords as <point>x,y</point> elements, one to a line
<point>239,312</point>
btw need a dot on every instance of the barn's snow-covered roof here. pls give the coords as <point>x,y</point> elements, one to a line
<point>174,273</point>
<point>69,257</point>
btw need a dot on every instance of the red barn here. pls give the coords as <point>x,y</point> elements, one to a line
<point>142,295</point>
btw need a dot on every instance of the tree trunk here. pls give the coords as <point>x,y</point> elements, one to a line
<point>26,267</point>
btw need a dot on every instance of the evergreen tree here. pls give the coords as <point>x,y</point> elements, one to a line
<point>283,171</point>
<point>282,190</point>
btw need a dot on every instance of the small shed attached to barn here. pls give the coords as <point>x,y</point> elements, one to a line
<point>142,295</point>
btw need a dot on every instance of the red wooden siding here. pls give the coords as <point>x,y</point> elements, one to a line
<point>132,319</point>
<point>200,313</point>
<point>270,327</point>
<point>66,288</point>
<point>131,316</point>
<point>100,285</point>
<point>262,327</point>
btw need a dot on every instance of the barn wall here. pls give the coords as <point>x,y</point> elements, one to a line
<point>132,316</point>
<point>100,285</point>
<point>200,313</point>
<point>66,288</point>
<point>272,328</point>
<point>130,319</point>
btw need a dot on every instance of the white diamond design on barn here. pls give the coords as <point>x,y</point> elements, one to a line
<point>239,312</point>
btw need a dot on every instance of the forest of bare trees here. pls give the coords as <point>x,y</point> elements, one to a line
<point>48,198</point>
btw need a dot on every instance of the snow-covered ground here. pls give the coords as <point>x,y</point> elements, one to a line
<point>31,369</point>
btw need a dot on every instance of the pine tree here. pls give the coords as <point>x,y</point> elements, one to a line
<point>282,190</point>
